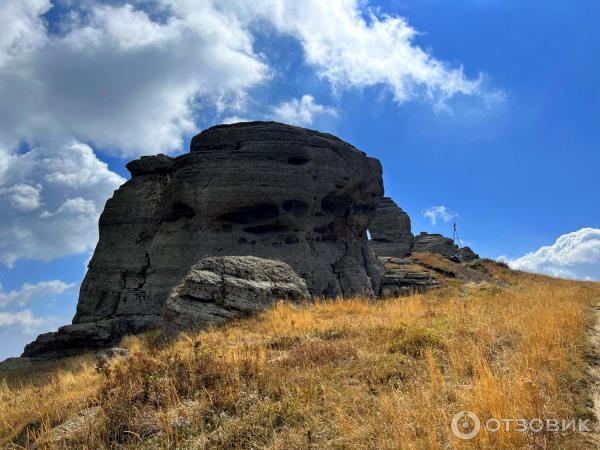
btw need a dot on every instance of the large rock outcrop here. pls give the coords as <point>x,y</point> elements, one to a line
<point>441,245</point>
<point>220,289</point>
<point>390,229</point>
<point>392,242</point>
<point>258,188</point>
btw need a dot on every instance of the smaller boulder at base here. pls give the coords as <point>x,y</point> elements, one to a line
<point>219,289</point>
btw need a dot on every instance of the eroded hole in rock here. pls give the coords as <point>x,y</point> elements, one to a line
<point>252,214</point>
<point>326,232</point>
<point>326,229</point>
<point>180,210</point>
<point>336,204</point>
<point>291,239</point>
<point>298,160</point>
<point>266,229</point>
<point>382,240</point>
<point>297,208</point>
<point>363,209</point>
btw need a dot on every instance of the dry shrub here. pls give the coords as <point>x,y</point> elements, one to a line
<point>318,352</point>
<point>415,341</point>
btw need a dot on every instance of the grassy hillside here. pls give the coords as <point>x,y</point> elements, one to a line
<point>335,374</point>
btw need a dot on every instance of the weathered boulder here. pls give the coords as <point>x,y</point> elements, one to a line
<point>467,254</point>
<point>436,243</point>
<point>219,289</point>
<point>257,188</point>
<point>390,229</point>
<point>73,339</point>
<point>71,431</point>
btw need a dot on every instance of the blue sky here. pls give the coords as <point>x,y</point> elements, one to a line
<point>485,109</point>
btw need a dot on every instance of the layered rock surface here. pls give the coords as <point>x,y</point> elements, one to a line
<point>76,338</point>
<point>258,188</point>
<point>403,277</point>
<point>223,288</point>
<point>390,229</point>
<point>392,241</point>
<point>441,245</point>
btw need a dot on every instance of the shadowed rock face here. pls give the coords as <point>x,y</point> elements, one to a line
<point>390,230</point>
<point>258,188</point>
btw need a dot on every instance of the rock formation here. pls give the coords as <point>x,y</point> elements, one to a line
<point>392,241</point>
<point>391,236</point>
<point>402,278</point>
<point>219,289</point>
<point>436,243</point>
<point>390,229</point>
<point>257,188</point>
<point>260,189</point>
<point>79,337</point>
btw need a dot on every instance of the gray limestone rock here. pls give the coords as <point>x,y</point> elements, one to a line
<point>113,352</point>
<point>16,364</point>
<point>468,254</point>
<point>73,339</point>
<point>402,278</point>
<point>71,431</point>
<point>390,230</point>
<point>219,289</point>
<point>436,243</point>
<point>257,188</point>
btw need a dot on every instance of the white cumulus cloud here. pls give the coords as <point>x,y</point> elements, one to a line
<point>23,196</point>
<point>23,320</point>
<point>573,255</point>
<point>51,198</point>
<point>115,76</point>
<point>32,292</point>
<point>438,213</point>
<point>130,78</point>
<point>354,49</point>
<point>301,111</point>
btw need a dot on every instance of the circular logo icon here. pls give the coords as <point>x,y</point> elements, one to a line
<point>465,425</point>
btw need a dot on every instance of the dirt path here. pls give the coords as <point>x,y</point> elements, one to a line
<point>593,360</point>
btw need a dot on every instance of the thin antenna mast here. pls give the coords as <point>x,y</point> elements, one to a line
<point>455,236</point>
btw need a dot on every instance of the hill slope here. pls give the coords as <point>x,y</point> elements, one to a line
<point>334,374</point>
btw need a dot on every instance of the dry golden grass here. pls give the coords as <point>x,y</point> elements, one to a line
<point>33,403</point>
<point>338,374</point>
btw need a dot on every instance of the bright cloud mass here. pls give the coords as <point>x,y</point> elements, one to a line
<point>437,214</point>
<point>84,82</point>
<point>129,78</point>
<point>12,302</point>
<point>301,111</point>
<point>573,255</point>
